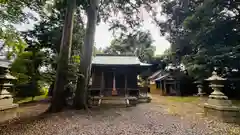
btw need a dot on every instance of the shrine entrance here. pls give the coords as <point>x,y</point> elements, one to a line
<point>114,84</point>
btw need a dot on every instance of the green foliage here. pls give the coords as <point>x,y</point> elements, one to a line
<point>14,12</point>
<point>160,62</point>
<point>199,35</point>
<point>19,67</point>
<point>182,99</point>
<point>13,44</point>
<point>48,35</point>
<point>26,69</point>
<point>123,15</point>
<point>76,59</point>
<point>22,100</point>
<point>138,43</point>
<point>97,51</point>
<point>28,90</point>
<point>44,91</point>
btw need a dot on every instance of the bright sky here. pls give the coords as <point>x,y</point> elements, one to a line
<point>103,37</point>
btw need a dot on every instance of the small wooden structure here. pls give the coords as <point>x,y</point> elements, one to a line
<point>174,83</point>
<point>115,76</point>
<point>152,84</point>
<point>168,84</point>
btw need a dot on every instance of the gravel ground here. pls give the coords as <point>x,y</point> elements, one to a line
<point>23,112</point>
<point>144,119</point>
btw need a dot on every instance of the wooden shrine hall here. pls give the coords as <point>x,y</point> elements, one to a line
<point>115,76</point>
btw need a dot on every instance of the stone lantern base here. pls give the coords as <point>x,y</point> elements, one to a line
<point>6,101</point>
<point>223,110</point>
<point>7,104</point>
<point>8,110</point>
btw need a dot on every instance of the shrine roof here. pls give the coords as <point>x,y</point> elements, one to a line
<point>170,76</point>
<point>106,59</point>
<point>162,77</point>
<point>155,74</point>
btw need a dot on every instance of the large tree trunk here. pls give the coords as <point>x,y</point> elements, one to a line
<point>80,100</point>
<point>57,102</point>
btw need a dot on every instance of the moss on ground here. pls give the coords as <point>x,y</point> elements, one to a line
<point>29,99</point>
<point>182,99</point>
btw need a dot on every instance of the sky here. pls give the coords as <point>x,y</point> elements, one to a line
<point>103,37</point>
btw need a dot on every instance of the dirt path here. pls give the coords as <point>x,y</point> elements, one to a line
<point>23,112</point>
<point>144,119</point>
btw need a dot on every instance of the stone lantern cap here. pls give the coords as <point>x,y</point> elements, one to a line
<point>215,77</point>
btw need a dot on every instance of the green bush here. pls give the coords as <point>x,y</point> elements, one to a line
<point>28,90</point>
<point>44,91</point>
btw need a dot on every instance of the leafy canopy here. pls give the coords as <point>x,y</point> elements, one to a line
<point>199,36</point>
<point>138,43</point>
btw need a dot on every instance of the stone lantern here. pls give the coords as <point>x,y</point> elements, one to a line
<point>218,103</point>
<point>6,100</point>
<point>200,88</point>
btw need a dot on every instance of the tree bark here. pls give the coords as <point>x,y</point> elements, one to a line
<point>80,100</point>
<point>57,102</point>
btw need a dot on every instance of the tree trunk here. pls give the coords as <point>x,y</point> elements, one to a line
<point>80,100</point>
<point>57,102</point>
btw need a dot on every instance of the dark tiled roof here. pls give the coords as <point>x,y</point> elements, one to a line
<point>155,74</point>
<point>162,77</point>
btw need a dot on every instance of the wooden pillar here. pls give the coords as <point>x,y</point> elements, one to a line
<point>165,87</point>
<point>162,89</point>
<point>102,83</point>
<point>101,89</point>
<point>114,91</point>
<point>160,85</point>
<point>175,87</point>
<point>126,92</point>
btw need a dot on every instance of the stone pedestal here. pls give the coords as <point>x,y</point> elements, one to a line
<point>9,114</point>
<point>218,104</point>
<point>225,114</point>
<point>6,100</point>
<point>7,104</point>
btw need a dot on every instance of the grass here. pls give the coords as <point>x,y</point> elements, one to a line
<point>44,91</point>
<point>182,99</point>
<point>29,99</point>
<point>236,102</point>
<point>192,99</point>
